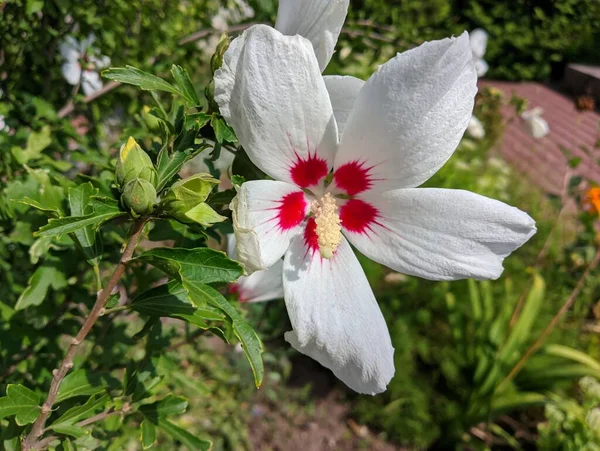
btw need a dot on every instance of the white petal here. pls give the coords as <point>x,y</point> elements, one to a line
<point>475,128</point>
<point>343,92</point>
<point>72,72</point>
<point>442,234</point>
<point>101,62</point>
<point>266,215</point>
<point>481,67</point>
<point>90,82</point>
<point>261,286</point>
<point>478,39</point>
<point>70,49</point>
<point>537,126</point>
<point>319,21</point>
<point>411,114</point>
<point>335,317</point>
<point>271,92</point>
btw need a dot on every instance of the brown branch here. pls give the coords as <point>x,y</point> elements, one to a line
<point>207,32</point>
<point>31,441</point>
<point>552,324</point>
<point>70,106</point>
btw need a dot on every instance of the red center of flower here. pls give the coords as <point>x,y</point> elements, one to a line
<point>311,238</point>
<point>358,216</point>
<point>353,178</point>
<point>292,210</point>
<point>308,172</point>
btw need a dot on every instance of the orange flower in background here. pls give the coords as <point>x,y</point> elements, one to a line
<point>591,201</point>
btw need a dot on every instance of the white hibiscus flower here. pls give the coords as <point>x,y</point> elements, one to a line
<point>266,285</point>
<point>81,64</point>
<point>479,39</point>
<point>402,125</point>
<point>534,123</point>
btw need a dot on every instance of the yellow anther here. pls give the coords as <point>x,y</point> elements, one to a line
<point>327,219</point>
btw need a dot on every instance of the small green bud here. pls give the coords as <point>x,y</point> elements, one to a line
<point>133,163</point>
<point>216,61</point>
<point>186,194</point>
<point>139,196</point>
<point>150,119</point>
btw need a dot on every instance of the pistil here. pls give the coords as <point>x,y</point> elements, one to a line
<point>328,228</point>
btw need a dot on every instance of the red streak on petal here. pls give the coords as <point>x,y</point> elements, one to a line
<point>309,172</point>
<point>235,289</point>
<point>353,178</point>
<point>310,235</point>
<point>292,210</point>
<point>358,216</point>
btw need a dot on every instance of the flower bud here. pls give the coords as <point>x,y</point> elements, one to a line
<point>186,194</point>
<point>216,61</point>
<point>133,163</point>
<point>152,122</point>
<point>139,196</point>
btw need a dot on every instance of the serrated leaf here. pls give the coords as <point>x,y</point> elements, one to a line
<point>223,132</point>
<point>148,435</point>
<point>36,143</point>
<point>84,411</point>
<point>20,402</point>
<point>104,209</point>
<point>52,212</point>
<point>185,85</point>
<point>169,405</point>
<point>190,441</point>
<point>134,76</point>
<point>82,382</point>
<point>172,300</point>
<point>251,344</point>
<point>197,120</point>
<point>168,166</point>
<point>202,265</point>
<point>86,238</point>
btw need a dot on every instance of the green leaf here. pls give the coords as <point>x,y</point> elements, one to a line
<point>68,429</point>
<point>84,411</point>
<point>221,197</point>
<point>86,238</point>
<point>134,76</point>
<point>190,441</point>
<point>104,209</point>
<point>148,437</point>
<point>168,166</point>
<point>196,267</point>
<point>172,300</point>
<point>223,132</point>
<point>251,344</point>
<point>170,405</point>
<point>36,143</point>
<point>567,352</point>
<point>201,265</point>
<point>21,402</point>
<point>197,120</point>
<point>185,85</point>
<point>51,211</point>
<point>44,277</point>
<point>82,383</point>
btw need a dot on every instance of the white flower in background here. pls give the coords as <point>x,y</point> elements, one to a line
<point>2,123</point>
<point>260,286</point>
<point>199,163</point>
<point>225,17</point>
<point>475,128</point>
<point>81,64</point>
<point>403,125</point>
<point>534,123</point>
<point>479,39</point>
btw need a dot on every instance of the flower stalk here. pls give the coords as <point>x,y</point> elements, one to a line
<point>32,441</point>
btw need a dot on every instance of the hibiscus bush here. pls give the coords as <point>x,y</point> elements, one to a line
<point>162,179</point>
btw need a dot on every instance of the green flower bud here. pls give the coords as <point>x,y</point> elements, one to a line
<point>216,61</point>
<point>139,196</point>
<point>151,120</point>
<point>186,194</point>
<point>133,163</point>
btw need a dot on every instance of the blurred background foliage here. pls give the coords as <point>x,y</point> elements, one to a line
<point>456,343</point>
